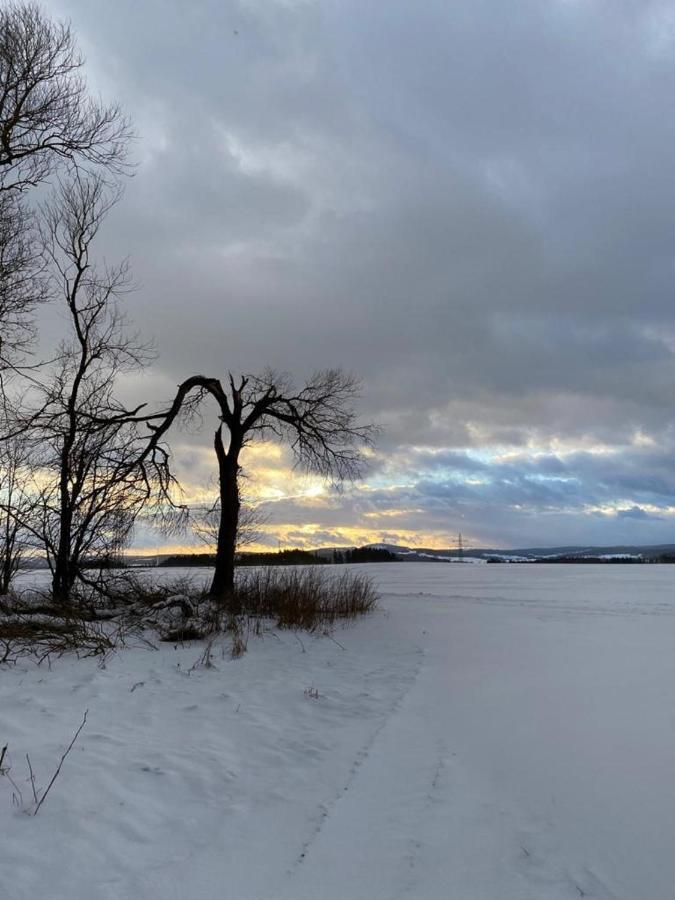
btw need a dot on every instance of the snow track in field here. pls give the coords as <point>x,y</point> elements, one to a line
<point>412,822</point>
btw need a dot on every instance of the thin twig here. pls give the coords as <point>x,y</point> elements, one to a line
<point>5,772</point>
<point>55,775</point>
<point>341,646</point>
<point>32,778</point>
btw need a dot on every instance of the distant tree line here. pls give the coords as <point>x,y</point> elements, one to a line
<point>191,560</point>
<point>295,557</point>
<point>364,555</point>
<point>596,560</point>
<point>281,558</point>
<point>584,560</point>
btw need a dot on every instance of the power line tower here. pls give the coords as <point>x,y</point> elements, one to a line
<point>460,548</point>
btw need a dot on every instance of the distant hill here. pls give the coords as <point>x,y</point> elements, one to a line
<point>566,554</point>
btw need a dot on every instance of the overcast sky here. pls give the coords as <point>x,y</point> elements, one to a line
<point>469,204</point>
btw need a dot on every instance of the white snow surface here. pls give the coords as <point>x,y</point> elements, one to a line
<point>491,733</point>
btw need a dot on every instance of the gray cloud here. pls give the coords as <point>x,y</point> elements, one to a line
<point>469,204</point>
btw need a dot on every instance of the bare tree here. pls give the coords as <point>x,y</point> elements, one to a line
<point>47,120</point>
<point>16,506</point>
<point>99,482</point>
<point>46,113</point>
<point>317,421</point>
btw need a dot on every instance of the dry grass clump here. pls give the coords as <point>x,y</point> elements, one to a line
<point>309,598</point>
<point>305,599</point>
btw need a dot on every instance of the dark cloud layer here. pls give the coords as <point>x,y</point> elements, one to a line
<point>471,204</point>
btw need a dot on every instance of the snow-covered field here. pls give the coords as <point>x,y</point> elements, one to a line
<point>492,733</point>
